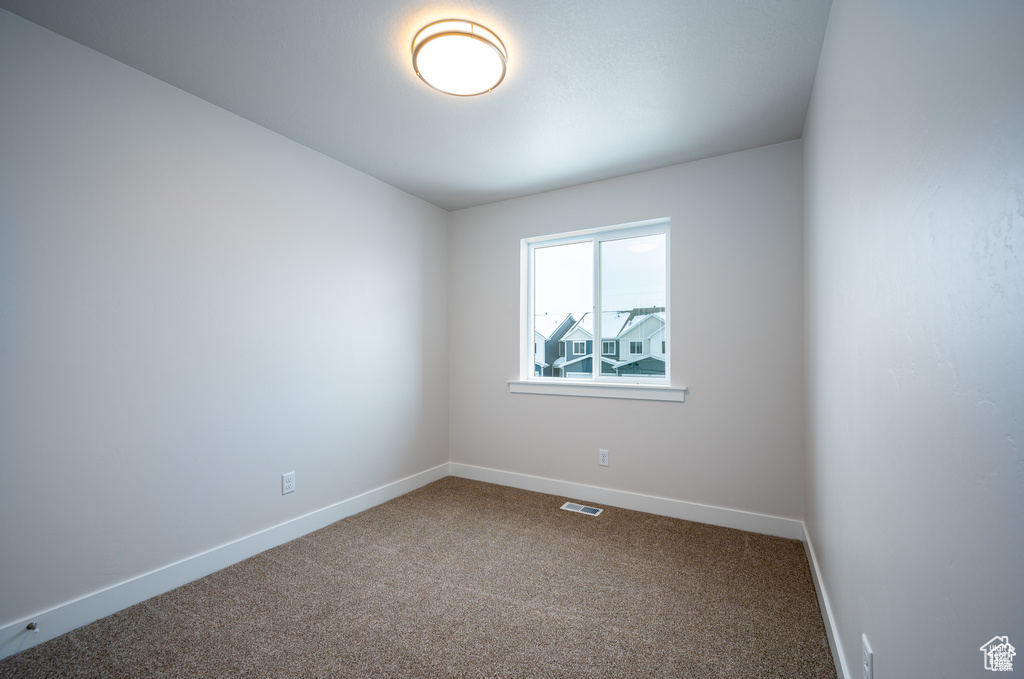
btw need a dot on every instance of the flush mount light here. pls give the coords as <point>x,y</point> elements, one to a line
<point>459,57</point>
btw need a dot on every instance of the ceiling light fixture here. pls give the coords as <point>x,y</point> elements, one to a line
<point>459,57</point>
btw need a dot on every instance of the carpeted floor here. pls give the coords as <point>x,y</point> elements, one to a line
<point>468,579</point>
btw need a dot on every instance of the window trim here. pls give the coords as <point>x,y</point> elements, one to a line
<point>564,387</point>
<point>617,386</point>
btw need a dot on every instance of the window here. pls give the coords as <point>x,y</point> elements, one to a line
<point>613,284</point>
<point>663,346</point>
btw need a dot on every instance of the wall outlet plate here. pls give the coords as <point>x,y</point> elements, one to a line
<point>287,483</point>
<point>602,457</point>
<point>868,656</point>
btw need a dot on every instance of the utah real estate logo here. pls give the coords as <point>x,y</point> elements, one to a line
<point>998,654</point>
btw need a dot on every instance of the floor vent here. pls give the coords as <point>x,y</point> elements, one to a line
<point>582,509</point>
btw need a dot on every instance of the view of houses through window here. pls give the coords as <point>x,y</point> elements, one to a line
<point>631,306</point>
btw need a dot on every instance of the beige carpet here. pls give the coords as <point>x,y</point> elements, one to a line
<point>467,579</point>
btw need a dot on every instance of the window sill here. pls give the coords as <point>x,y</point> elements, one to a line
<point>643,392</point>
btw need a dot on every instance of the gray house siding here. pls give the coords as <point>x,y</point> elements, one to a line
<point>551,346</point>
<point>580,367</point>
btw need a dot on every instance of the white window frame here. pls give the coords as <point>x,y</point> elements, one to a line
<point>661,388</point>
<point>578,343</point>
<point>604,347</point>
<point>633,343</point>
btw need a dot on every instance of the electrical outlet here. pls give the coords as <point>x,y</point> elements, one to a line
<point>287,483</point>
<point>602,457</point>
<point>869,657</point>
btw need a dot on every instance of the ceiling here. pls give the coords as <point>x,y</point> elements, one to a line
<point>595,88</point>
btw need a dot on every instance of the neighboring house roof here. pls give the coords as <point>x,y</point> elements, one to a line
<point>561,361</point>
<point>637,359</point>
<point>585,324</point>
<point>635,323</point>
<point>546,324</point>
<point>575,360</point>
<point>612,323</point>
<point>640,318</point>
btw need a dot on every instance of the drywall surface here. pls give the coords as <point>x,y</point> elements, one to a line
<point>736,275</point>
<point>191,306</point>
<point>914,165</point>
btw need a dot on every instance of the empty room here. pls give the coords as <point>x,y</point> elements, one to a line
<point>667,338</point>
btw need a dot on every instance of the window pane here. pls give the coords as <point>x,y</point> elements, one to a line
<point>633,304</point>
<point>563,300</point>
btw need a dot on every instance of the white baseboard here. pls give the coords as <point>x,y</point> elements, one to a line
<point>834,642</point>
<point>52,623</point>
<point>677,509</point>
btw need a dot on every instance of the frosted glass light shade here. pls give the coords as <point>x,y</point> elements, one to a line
<point>459,57</point>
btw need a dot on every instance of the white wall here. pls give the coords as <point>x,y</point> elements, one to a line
<point>737,441</point>
<point>184,306</point>
<point>914,158</point>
